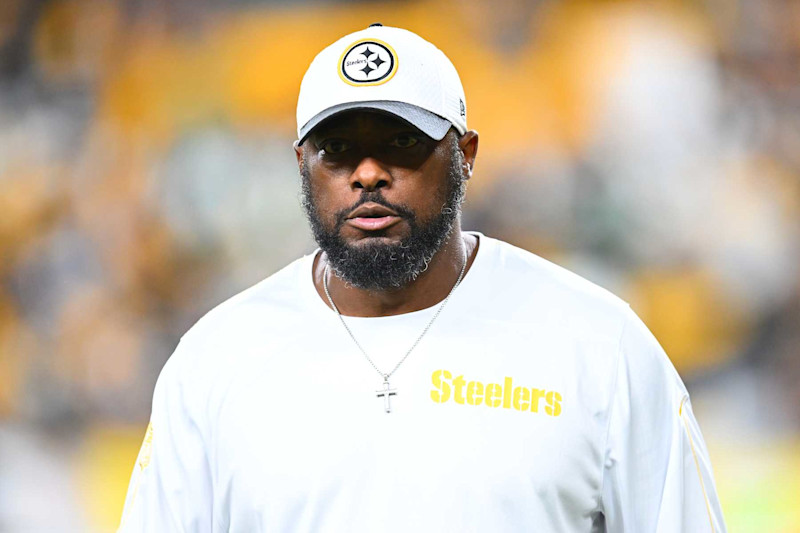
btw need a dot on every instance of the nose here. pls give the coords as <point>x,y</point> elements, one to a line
<point>370,175</point>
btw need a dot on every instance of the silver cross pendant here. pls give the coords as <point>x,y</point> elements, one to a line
<point>387,392</point>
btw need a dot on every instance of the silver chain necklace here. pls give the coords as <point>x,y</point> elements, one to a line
<point>387,392</point>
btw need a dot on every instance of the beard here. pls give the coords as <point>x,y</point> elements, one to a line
<point>380,265</point>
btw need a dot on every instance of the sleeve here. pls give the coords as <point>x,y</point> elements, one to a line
<point>657,474</point>
<point>170,488</point>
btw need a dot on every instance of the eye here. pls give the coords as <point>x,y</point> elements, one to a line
<point>405,140</point>
<point>334,146</point>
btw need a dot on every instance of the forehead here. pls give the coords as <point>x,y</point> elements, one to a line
<point>368,121</point>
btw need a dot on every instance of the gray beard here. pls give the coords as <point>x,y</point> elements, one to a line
<point>383,266</point>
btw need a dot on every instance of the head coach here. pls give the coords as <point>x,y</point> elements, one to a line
<point>410,376</point>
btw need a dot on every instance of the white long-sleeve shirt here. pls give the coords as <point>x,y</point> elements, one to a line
<point>536,402</point>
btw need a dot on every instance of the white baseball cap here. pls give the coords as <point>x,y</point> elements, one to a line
<point>388,70</point>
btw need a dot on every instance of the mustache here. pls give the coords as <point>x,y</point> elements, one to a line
<point>377,198</point>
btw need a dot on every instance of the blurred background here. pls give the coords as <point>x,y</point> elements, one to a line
<point>146,174</point>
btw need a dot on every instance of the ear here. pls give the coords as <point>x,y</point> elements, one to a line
<point>469,147</point>
<point>298,152</point>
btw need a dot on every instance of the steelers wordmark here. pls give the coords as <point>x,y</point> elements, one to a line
<point>368,62</point>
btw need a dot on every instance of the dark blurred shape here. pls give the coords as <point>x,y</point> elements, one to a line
<point>16,50</point>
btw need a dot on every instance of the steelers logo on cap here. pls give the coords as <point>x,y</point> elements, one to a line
<point>368,62</point>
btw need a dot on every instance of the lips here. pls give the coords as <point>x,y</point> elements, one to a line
<point>372,217</point>
<point>371,210</point>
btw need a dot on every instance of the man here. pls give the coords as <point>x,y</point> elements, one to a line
<point>409,376</point>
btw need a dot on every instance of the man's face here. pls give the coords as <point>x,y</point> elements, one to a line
<point>381,197</point>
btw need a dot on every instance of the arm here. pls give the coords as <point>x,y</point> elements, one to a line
<point>170,489</point>
<point>657,473</point>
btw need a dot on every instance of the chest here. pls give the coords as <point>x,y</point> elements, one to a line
<point>483,429</point>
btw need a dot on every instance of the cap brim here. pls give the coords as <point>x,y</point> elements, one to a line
<point>428,123</point>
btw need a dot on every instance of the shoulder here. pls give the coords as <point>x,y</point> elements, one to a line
<point>529,285</point>
<point>243,329</point>
<point>276,296</point>
<point>255,318</point>
<point>536,289</point>
<point>586,311</point>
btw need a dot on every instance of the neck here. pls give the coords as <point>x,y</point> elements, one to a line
<point>430,288</point>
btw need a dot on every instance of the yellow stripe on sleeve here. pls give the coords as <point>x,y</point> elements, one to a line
<point>696,463</point>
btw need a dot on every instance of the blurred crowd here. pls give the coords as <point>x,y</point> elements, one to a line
<point>146,174</point>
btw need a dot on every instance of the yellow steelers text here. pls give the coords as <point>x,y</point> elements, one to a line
<point>493,395</point>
